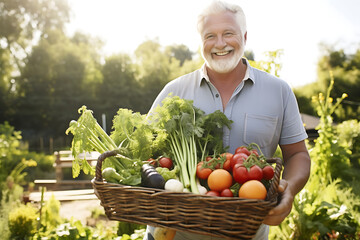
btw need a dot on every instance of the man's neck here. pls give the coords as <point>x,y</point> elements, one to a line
<point>230,78</point>
<point>226,83</point>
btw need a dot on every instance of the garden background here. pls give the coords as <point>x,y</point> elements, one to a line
<point>46,75</point>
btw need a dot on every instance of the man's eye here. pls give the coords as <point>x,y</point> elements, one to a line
<point>209,36</point>
<point>228,34</point>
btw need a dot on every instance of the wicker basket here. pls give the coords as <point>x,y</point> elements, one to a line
<point>224,217</point>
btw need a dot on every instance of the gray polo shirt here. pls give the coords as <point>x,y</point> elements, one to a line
<point>263,109</point>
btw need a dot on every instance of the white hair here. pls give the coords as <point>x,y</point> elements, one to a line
<point>217,7</point>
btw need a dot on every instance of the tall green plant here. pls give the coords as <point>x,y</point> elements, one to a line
<point>324,209</point>
<point>330,159</point>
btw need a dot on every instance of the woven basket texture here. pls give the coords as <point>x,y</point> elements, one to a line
<point>224,217</point>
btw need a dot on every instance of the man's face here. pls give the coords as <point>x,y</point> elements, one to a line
<point>223,42</point>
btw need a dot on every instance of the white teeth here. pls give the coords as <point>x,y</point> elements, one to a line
<point>221,53</point>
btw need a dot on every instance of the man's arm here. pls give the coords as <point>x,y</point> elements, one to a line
<point>295,175</point>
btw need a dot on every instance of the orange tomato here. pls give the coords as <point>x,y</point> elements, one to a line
<point>219,180</point>
<point>253,189</point>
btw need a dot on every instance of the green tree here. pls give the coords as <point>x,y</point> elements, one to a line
<point>155,69</point>
<point>346,72</point>
<point>5,85</point>
<point>179,52</point>
<point>119,88</point>
<point>22,20</point>
<point>61,74</point>
<point>21,24</point>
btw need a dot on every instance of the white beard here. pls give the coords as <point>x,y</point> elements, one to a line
<point>223,65</point>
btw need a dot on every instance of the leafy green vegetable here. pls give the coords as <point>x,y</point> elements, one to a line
<point>132,131</point>
<point>129,176</point>
<point>167,173</point>
<point>176,128</point>
<point>110,175</point>
<point>188,132</point>
<point>89,136</point>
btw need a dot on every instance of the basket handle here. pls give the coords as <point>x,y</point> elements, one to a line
<point>101,158</point>
<point>276,179</point>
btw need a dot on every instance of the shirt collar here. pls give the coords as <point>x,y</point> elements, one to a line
<point>203,74</point>
<point>249,75</point>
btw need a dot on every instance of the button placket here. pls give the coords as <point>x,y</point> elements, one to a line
<point>216,95</point>
<point>226,131</point>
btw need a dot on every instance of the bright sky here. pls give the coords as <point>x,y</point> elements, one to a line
<point>296,26</point>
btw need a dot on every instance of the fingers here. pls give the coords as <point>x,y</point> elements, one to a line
<point>278,214</point>
<point>282,185</point>
<point>276,219</point>
<point>282,210</point>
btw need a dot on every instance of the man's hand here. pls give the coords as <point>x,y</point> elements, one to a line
<point>281,211</point>
<point>295,175</point>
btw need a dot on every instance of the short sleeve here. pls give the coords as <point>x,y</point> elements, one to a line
<point>293,129</point>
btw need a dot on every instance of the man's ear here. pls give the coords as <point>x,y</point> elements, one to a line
<point>245,36</point>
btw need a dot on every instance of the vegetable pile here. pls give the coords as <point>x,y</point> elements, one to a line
<point>246,167</point>
<point>175,147</point>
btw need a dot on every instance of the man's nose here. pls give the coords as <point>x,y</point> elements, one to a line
<point>220,42</point>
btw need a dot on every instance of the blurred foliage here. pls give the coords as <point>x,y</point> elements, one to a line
<point>348,136</point>
<point>22,22</point>
<point>329,205</point>
<point>10,200</point>
<point>60,75</point>
<point>271,63</point>
<point>10,151</point>
<point>15,159</point>
<point>22,222</point>
<point>128,228</point>
<point>19,221</point>
<point>346,75</point>
<point>50,213</point>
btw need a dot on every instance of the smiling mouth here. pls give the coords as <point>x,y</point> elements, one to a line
<point>223,53</point>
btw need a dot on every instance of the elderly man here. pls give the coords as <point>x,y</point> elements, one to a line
<point>262,107</point>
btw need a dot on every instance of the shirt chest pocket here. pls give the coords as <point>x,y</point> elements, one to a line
<point>259,129</point>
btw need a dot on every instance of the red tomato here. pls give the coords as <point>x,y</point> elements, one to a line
<point>255,173</point>
<point>226,193</point>
<point>240,173</point>
<point>166,162</point>
<point>227,163</point>
<point>268,172</point>
<point>237,158</point>
<point>202,173</point>
<point>213,193</point>
<point>242,149</point>
<point>217,166</point>
<point>152,162</point>
<point>208,158</point>
<point>254,151</point>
